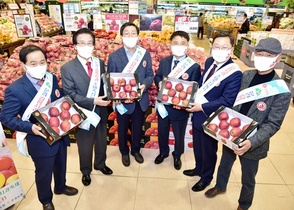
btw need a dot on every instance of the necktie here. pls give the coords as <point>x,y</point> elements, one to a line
<point>175,63</point>
<point>40,82</point>
<point>89,68</point>
<point>212,70</point>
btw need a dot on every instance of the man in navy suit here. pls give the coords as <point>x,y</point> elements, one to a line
<point>19,96</point>
<point>176,117</point>
<point>221,81</point>
<point>135,109</point>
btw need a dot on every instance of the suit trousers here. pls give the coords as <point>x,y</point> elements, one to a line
<point>44,167</point>
<point>249,170</point>
<point>179,129</point>
<point>86,140</point>
<point>136,119</point>
<point>205,148</point>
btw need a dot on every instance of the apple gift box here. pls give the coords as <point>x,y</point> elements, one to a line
<point>229,126</point>
<point>177,92</point>
<point>58,118</point>
<point>121,85</point>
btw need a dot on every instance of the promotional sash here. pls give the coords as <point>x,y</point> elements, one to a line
<point>136,59</point>
<point>263,90</point>
<point>177,72</point>
<point>214,80</point>
<point>40,100</point>
<point>93,92</point>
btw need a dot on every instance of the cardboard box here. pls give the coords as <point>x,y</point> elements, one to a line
<point>121,86</point>
<point>231,141</point>
<point>177,92</point>
<point>51,134</point>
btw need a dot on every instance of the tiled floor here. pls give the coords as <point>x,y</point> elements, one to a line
<point>161,187</point>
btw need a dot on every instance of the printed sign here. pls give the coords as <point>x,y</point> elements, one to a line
<point>113,22</point>
<point>74,22</point>
<point>23,25</point>
<point>187,23</point>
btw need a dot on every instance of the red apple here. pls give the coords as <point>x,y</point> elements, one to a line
<point>189,90</point>
<point>133,94</point>
<point>182,95</point>
<point>65,126</point>
<point>6,162</point>
<point>245,127</point>
<point>133,82</point>
<point>179,87</point>
<point>171,93</point>
<point>175,100</point>
<point>213,127</point>
<point>223,124</point>
<point>111,81</point>
<point>64,115</point>
<point>122,95</point>
<point>7,173</point>
<point>224,133</point>
<point>116,88</point>
<point>164,98</point>
<point>75,118</point>
<point>127,88</point>
<point>235,132</point>
<point>12,169</point>
<point>168,85</point>
<point>56,129</point>
<point>53,112</point>
<point>121,81</point>
<point>54,122</point>
<point>235,122</point>
<point>65,105</point>
<point>185,102</point>
<point>223,116</point>
<point>45,117</point>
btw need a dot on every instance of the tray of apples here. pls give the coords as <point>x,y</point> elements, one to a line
<point>177,92</point>
<point>58,118</point>
<point>229,126</point>
<point>121,86</point>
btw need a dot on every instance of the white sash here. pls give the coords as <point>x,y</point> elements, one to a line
<point>136,59</point>
<point>263,90</point>
<point>177,72</point>
<point>214,80</point>
<point>93,92</point>
<point>40,100</point>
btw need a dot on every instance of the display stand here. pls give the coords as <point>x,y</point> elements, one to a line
<point>52,33</point>
<point>11,46</point>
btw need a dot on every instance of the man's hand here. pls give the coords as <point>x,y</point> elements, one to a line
<point>128,101</point>
<point>37,131</point>
<point>159,84</point>
<point>142,88</point>
<point>196,107</point>
<point>244,147</point>
<point>99,101</point>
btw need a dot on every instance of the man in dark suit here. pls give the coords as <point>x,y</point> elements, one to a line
<point>80,76</point>
<point>268,110</point>
<point>176,117</point>
<point>221,82</point>
<point>245,27</point>
<point>22,98</point>
<point>117,62</point>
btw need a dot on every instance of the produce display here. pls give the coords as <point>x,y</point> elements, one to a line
<point>220,22</point>
<point>7,30</point>
<point>46,23</point>
<point>286,23</point>
<point>8,173</point>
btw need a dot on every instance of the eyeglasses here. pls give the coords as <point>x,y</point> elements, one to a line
<point>90,44</point>
<point>221,48</point>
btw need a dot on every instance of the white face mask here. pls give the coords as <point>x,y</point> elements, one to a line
<point>37,72</point>
<point>85,52</point>
<point>179,50</point>
<point>221,56</point>
<point>130,42</point>
<point>264,63</point>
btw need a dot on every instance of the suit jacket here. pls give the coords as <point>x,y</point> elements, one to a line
<point>223,94</point>
<point>165,66</point>
<point>17,98</point>
<point>245,27</point>
<point>117,62</point>
<point>270,119</point>
<point>75,83</point>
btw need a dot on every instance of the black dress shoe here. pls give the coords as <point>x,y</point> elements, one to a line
<point>68,191</point>
<point>213,192</point>
<point>86,179</point>
<point>138,157</point>
<point>106,170</point>
<point>126,160</point>
<point>191,172</point>
<point>200,185</point>
<point>177,163</point>
<point>48,206</point>
<point>160,158</point>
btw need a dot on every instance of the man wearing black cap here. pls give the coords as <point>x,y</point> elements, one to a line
<point>268,107</point>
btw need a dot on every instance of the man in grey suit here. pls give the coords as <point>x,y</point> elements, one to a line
<point>117,62</point>
<point>81,79</point>
<point>267,109</point>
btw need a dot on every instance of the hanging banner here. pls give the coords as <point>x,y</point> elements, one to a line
<point>74,22</point>
<point>55,13</point>
<point>113,22</point>
<point>23,26</point>
<point>187,23</point>
<point>133,7</point>
<point>11,190</point>
<point>150,22</point>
